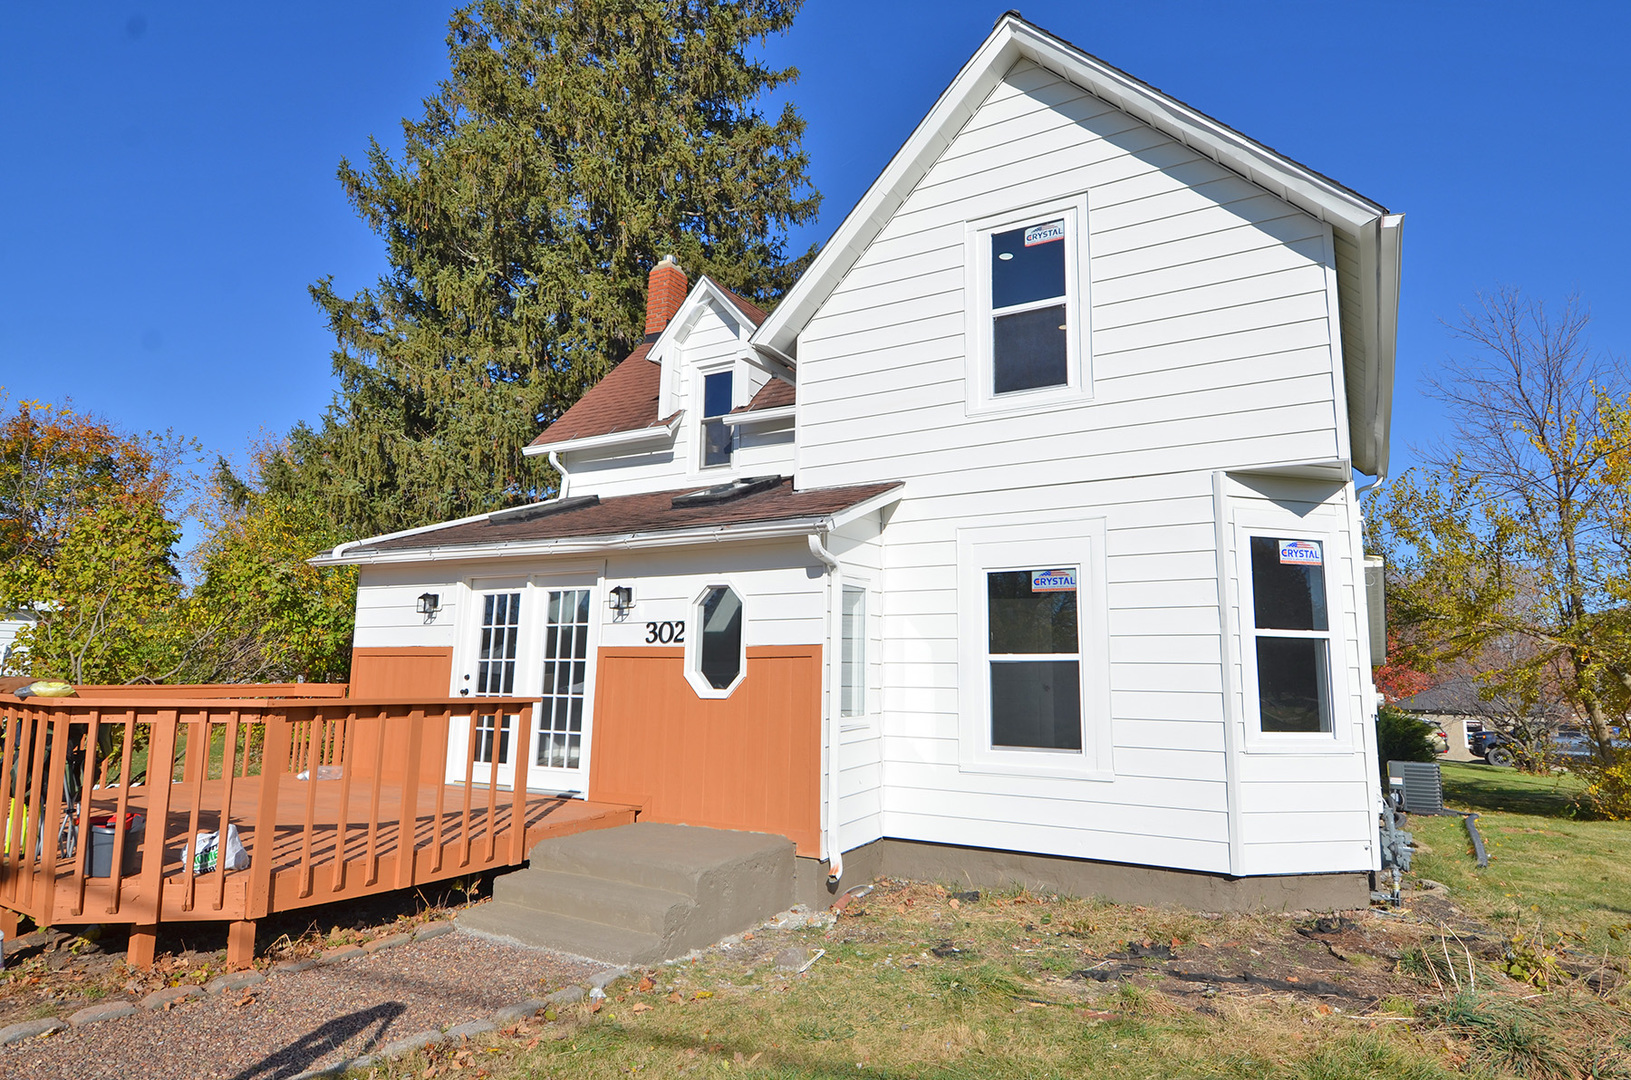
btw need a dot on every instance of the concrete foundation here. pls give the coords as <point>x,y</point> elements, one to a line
<point>981,868</point>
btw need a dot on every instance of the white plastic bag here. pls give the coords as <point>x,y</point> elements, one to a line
<point>207,845</point>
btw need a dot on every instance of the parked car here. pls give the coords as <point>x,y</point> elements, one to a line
<point>1495,748</point>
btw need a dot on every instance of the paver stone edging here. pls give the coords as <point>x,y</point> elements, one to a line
<point>170,995</point>
<point>29,1029</point>
<point>108,1010</point>
<point>237,980</point>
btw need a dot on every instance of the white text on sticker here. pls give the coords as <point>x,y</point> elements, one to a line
<point>1300,552</point>
<point>1044,234</point>
<point>1053,581</point>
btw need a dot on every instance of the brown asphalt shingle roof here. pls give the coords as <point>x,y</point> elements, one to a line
<point>624,400</point>
<point>651,512</point>
<point>772,395</point>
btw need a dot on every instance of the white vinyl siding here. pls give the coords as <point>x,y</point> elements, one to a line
<point>1211,347</point>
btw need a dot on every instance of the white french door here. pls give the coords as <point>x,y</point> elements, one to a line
<point>528,641</point>
<point>560,743</point>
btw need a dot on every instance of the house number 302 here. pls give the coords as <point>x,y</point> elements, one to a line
<point>665,633</point>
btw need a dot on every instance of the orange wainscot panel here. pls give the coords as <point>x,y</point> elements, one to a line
<point>749,761</point>
<point>424,673</point>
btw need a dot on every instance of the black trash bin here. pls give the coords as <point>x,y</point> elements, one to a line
<point>99,848</point>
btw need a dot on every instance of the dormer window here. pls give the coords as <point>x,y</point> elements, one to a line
<point>716,434</point>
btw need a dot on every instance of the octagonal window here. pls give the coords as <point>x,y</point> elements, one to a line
<point>719,653</point>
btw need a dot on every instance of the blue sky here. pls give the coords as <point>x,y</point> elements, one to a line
<point>169,189</point>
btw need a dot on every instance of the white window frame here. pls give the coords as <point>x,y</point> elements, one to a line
<point>1080,545</point>
<point>979,374</point>
<point>693,642</point>
<point>1340,738</point>
<point>728,367</point>
<point>864,661</point>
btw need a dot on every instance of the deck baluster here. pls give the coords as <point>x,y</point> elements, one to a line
<point>228,752</point>
<point>119,830</point>
<point>197,770</point>
<point>373,797</point>
<point>161,757</point>
<point>472,736</point>
<point>342,824</point>
<point>408,820</point>
<point>82,853</point>
<point>518,785</point>
<point>13,804</point>
<point>314,759</point>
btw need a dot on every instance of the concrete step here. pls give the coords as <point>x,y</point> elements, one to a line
<point>639,894</point>
<point>678,858</point>
<point>614,903</point>
<point>580,937</point>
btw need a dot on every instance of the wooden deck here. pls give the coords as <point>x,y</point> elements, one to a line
<point>305,870</point>
<point>379,816</point>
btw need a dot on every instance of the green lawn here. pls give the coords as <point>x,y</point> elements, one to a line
<point>1545,866</point>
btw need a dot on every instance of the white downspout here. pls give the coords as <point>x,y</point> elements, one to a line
<point>835,690</point>
<point>560,470</point>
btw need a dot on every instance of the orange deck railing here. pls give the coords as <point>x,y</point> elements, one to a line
<point>332,797</point>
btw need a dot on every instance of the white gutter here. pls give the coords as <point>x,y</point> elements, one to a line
<point>658,432</point>
<point>835,690</point>
<point>579,545</point>
<point>758,416</point>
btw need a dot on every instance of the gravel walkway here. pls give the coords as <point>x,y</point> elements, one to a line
<point>302,1020</point>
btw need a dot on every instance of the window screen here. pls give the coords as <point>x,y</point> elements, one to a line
<point>1034,654</point>
<point>1029,335</point>
<point>720,652</point>
<point>1293,646</point>
<point>716,402</point>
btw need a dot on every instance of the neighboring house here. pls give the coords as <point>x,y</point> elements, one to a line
<point>1458,708</point>
<point>1020,542</point>
<point>12,623</point>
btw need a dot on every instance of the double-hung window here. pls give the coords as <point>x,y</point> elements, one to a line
<point>1291,635</point>
<point>1027,311</point>
<point>716,402</point>
<point>1033,671</point>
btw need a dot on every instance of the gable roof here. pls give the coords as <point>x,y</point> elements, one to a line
<point>590,523</point>
<point>627,398</point>
<point>1366,234</point>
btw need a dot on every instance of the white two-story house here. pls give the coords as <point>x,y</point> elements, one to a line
<point>1018,543</point>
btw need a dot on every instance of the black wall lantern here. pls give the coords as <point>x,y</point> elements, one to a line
<point>429,604</point>
<point>620,598</point>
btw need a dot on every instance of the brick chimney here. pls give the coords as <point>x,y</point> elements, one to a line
<point>665,292</point>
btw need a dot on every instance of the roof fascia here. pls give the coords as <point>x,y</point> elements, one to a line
<point>587,545</point>
<point>690,310</point>
<point>333,556</point>
<point>1011,40</point>
<point>662,431</point>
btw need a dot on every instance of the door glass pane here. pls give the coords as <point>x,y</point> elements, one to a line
<point>1036,704</point>
<point>854,658</point>
<point>501,626</point>
<point>1288,584</point>
<point>487,726</point>
<point>1293,681</point>
<point>1028,264</point>
<point>721,649</point>
<point>1029,350</point>
<point>1027,619</point>
<point>566,652</point>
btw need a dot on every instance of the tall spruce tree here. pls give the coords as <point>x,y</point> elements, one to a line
<point>573,144</point>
